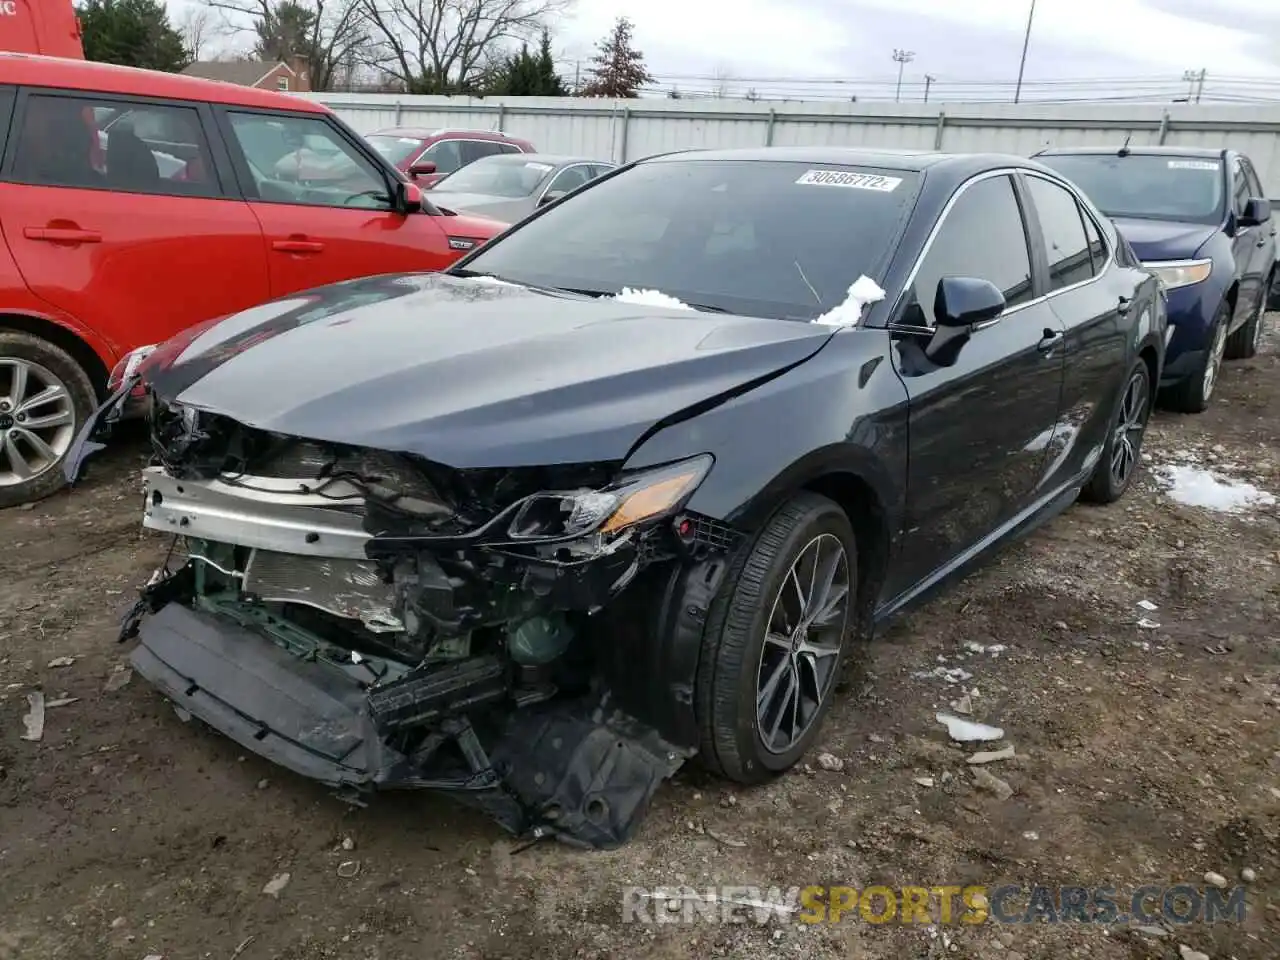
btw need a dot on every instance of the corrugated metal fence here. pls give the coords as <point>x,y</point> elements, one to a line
<point>627,129</point>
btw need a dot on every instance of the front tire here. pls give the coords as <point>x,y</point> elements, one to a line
<point>44,398</point>
<point>1192,394</point>
<point>1244,343</point>
<point>775,639</point>
<point>1122,453</point>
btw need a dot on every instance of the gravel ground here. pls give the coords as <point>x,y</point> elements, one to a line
<point>1144,755</point>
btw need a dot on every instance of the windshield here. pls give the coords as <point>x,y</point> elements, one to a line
<point>396,149</point>
<point>513,176</point>
<point>1147,186</point>
<point>762,238</point>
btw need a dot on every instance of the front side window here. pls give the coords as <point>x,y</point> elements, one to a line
<point>1147,186</point>
<point>1065,242</point>
<point>116,145</point>
<point>304,160</point>
<point>982,236</point>
<point>445,154</point>
<point>762,238</point>
<point>1251,177</point>
<point>1240,188</point>
<point>570,178</point>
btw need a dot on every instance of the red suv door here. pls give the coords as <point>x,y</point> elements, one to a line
<point>323,204</point>
<point>133,237</point>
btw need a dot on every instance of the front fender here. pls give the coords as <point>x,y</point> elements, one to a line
<point>843,411</point>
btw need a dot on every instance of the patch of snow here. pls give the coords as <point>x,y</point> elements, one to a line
<point>949,674</point>
<point>968,731</point>
<point>848,313</point>
<point>1195,486</point>
<point>649,298</point>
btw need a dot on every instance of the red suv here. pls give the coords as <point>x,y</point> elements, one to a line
<point>427,156</point>
<point>136,204</point>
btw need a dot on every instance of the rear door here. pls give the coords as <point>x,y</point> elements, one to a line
<point>117,231</point>
<point>1091,301</point>
<point>1264,241</point>
<point>980,428</point>
<point>328,221</point>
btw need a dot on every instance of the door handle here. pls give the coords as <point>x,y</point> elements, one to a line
<point>1262,241</point>
<point>1123,306</point>
<point>62,235</point>
<point>297,246</point>
<point>1050,340</point>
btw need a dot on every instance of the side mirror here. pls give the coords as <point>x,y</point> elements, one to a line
<point>1256,211</point>
<point>967,302</point>
<point>551,196</point>
<point>424,168</point>
<point>408,198</point>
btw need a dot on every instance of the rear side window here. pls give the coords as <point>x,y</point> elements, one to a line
<point>113,145</point>
<point>987,209</point>
<point>509,148</point>
<point>6,112</point>
<point>1062,224</point>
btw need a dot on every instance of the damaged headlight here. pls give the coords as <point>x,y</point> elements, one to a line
<point>640,497</point>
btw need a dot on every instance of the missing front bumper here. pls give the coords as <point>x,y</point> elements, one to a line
<point>581,770</point>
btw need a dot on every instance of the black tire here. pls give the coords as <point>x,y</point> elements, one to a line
<point>1192,394</point>
<point>1133,411</point>
<point>44,358</point>
<point>734,640</point>
<point>1243,344</point>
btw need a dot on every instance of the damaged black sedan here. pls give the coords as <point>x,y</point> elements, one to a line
<point>622,486</point>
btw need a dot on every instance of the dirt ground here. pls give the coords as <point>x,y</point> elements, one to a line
<point>1144,756</point>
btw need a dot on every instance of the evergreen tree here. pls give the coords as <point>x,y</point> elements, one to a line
<point>529,75</point>
<point>617,69</point>
<point>132,33</point>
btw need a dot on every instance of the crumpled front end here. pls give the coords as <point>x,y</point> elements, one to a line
<point>375,620</point>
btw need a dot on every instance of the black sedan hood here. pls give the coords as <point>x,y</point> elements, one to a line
<point>471,373</point>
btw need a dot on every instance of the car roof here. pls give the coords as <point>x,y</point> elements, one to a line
<point>912,161</point>
<point>557,159</point>
<point>428,133</point>
<point>1206,153</point>
<point>36,71</point>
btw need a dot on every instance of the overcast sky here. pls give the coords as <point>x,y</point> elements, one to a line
<point>958,42</point>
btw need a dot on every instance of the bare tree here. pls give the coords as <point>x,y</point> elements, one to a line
<point>451,46</point>
<point>323,34</point>
<point>723,76</point>
<point>198,27</point>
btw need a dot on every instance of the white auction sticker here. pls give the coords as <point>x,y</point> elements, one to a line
<point>843,178</point>
<point>1193,165</point>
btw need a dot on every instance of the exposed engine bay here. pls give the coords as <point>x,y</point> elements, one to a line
<point>374,620</point>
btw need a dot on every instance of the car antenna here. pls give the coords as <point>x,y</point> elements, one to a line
<point>1124,148</point>
<point>1047,144</point>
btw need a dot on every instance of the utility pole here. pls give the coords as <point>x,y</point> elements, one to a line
<point>1026,40</point>
<point>1196,79</point>
<point>927,81</point>
<point>577,73</point>
<point>902,58</point>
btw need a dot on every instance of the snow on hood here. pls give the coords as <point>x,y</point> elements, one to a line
<point>649,298</point>
<point>848,313</point>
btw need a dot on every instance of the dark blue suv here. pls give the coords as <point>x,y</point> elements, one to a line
<point>1199,221</point>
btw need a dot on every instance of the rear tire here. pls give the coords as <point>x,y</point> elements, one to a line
<point>45,396</point>
<point>761,597</point>
<point>1192,394</point>
<point>1122,453</point>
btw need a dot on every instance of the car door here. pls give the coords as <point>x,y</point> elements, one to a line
<point>1091,302</point>
<point>1246,246</point>
<point>336,225</point>
<point>978,429</point>
<point>119,233</point>
<point>1264,254</point>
